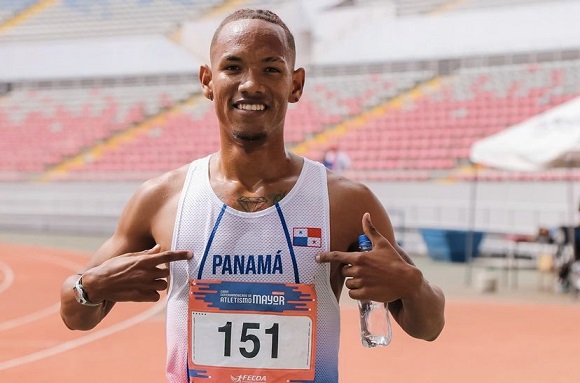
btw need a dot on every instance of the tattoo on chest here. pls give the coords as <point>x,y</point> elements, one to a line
<point>252,204</point>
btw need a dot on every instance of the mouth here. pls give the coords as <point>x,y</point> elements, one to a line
<point>254,107</point>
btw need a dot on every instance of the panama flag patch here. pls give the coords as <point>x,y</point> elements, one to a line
<point>307,236</point>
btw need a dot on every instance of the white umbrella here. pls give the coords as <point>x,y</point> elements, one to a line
<point>548,140</point>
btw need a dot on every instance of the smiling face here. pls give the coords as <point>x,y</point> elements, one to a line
<point>251,80</point>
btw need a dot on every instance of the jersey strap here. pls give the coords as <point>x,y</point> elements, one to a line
<point>286,234</point>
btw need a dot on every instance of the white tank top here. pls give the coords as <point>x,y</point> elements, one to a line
<point>275,245</point>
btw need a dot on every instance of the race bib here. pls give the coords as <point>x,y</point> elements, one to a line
<point>251,332</point>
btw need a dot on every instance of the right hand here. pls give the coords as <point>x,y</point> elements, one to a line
<point>135,277</point>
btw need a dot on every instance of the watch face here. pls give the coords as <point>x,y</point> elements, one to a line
<point>79,292</point>
<point>81,295</point>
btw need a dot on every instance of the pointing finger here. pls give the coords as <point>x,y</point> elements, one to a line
<point>336,256</point>
<point>155,249</point>
<point>172,256</point>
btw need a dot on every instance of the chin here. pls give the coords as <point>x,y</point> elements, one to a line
<point>250,137</point>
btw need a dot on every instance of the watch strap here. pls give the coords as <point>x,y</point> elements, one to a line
<point>81,295</point>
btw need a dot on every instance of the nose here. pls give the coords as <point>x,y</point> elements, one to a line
<point>250,83</point>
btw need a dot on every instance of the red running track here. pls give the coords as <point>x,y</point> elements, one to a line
<point>482,342</point>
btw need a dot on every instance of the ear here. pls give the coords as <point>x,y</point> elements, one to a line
<point>298,78</point>
<point>206,82</point>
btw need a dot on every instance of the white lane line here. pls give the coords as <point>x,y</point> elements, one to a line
<point>22,320</point>
<point>8,278</point>
<point>43,313</point>
<point>72,344</point>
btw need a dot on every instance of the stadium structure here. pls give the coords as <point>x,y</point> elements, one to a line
<point>98,95</point>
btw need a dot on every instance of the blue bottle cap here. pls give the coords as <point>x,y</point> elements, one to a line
<point>364,241</point>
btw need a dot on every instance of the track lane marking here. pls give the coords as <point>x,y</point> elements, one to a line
<point>75,343</point>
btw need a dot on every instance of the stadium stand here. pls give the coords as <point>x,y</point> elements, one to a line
<point>10,8</point>
<point>83,18</point>
<point>435,129</point>
<point>426,135</point>
<point>413,120</point>
<point>65,121</point>
<point>167,143</point>
<point>337,98</point>
<point>68,19</point>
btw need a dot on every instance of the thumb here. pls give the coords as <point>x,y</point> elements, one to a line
<point>369,229</point>
<point>154,250</point>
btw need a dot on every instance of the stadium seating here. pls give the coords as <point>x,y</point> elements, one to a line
<point>86,18</point>
<point>43,127</point>
<point>10,8</point>
<point>403,124</point>
<point>426,136</point>
<point>436,130</point>
<point>95,18</point>
<point>172,142</point>
<point>192,132</point>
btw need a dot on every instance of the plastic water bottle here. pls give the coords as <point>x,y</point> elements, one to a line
<point>375,324</point>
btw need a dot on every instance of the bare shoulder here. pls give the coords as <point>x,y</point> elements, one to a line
<point>341,187</point>
<point>348,195</point>
<point>349,201</point>
<point>157,190</point>
<point>149,215</point>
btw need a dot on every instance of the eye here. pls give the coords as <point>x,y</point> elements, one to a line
<point>271,69</point>
<point>231,68</point>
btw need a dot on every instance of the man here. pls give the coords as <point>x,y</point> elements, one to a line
<point>259,241</point>
<point>335,159</point>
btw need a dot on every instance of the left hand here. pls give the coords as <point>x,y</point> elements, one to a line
<point>381,274</point>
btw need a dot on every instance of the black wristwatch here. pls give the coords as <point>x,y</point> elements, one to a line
<point>81,295</point>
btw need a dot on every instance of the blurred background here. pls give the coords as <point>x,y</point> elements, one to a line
<point>462,115</point>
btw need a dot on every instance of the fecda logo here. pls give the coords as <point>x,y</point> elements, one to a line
<point>248,378</point>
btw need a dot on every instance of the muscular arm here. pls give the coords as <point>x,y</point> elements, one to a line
<point>387,273</point>
<point>128,266</point>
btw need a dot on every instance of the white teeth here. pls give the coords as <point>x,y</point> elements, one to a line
<point>251,107</point>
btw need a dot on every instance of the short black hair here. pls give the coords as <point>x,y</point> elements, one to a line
<point>257,14</point>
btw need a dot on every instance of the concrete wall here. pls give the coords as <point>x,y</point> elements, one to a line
<point>492,206</point>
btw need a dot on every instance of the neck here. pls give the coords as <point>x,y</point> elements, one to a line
<point>253,182</point>
<point>253,169</point>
